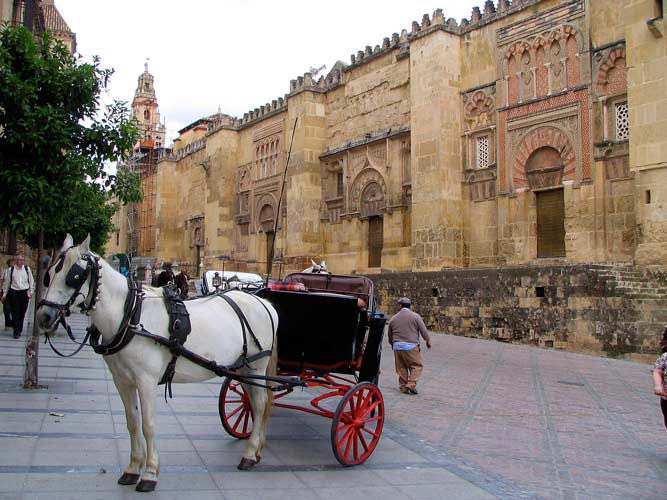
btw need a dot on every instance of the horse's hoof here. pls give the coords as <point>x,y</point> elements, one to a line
<point>246,464</point>
<point>146,485</point>
<point>259,459</point>
<point>128,478</point>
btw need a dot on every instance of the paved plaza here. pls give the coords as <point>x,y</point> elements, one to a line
<point>492,420</point>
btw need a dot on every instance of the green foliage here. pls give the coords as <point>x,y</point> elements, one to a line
<point>55,139</point>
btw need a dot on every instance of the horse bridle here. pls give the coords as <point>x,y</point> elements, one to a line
<point>75,279</point>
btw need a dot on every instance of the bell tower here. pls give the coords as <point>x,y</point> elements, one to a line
<point>145,110</point>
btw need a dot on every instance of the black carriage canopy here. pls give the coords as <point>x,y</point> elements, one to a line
<point>325,326</point>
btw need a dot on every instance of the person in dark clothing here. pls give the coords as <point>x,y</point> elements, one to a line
<point>5,305</point>
<point>167,276</point>
<point>18,290</point>
<point>181,282</point>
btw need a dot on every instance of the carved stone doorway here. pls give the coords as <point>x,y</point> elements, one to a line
<point>375,241</point>
<point>550,223</point>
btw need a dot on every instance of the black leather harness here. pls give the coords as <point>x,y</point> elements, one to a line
<point>179,327</point>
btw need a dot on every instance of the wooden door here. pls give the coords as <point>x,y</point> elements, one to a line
<point>375,241</point>
<point>550,223</point>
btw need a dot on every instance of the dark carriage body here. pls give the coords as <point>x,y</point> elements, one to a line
<point>331,325</point>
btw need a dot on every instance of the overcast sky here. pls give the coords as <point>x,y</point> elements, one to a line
<point>236,54</point>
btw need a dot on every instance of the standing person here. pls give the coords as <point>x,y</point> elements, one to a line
<point>5,304</point>
<point>405,327</point>
<point>660,376</point>
<point>17,290</point>
<point>167,276</point>
<point>181,281</point>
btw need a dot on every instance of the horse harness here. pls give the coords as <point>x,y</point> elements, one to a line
<point>179,324</point>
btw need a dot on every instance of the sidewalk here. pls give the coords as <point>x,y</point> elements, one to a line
<point>491,421</point>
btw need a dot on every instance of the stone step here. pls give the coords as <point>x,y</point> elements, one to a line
<point>660,296</point>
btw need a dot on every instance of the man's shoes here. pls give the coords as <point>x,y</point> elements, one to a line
<point>17,335</point>
<point>404,390</point>
<point>412,391</point>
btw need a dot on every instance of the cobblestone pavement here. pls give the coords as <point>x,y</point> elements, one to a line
<point>491,421</point>
<point>561,424</point>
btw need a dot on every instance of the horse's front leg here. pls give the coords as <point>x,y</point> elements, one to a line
<point>128,394</point>
<point>146,386</point>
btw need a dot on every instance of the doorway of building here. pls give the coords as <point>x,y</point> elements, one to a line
<point>375,241</point>
<point>269,250</point>
<point>550,223</point>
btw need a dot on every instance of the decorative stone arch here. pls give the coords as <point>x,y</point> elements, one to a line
<point>544,39</point>
<point>479,103</point>
<point>196,229</point>
<point>365,178</point>
<point>541,137</point>
<point>265,210</point>
<point>372,200</point>
<point>616,59</point>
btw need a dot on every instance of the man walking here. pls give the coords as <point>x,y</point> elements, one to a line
<point>5,306</point>
<point>405,327</point>
<point>18,290</point>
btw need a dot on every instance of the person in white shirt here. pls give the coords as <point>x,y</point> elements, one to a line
<point>17,289</point>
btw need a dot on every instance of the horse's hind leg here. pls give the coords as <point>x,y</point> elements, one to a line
<point>128,394</point>
<point>259,401</point>
<point>146,387</point>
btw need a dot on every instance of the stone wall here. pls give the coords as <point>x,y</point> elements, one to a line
<point>577,307</point>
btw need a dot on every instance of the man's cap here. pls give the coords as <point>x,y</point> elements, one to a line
<point>404,301</point>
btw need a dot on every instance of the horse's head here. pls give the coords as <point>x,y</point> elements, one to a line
<point>73,279</point>
<point>315,268</point>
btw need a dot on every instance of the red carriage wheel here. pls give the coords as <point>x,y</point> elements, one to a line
<point>235,409</point>
<point>357,424</point>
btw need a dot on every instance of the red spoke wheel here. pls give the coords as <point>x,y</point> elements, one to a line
<point>235,409</point>
<point>357,424</point>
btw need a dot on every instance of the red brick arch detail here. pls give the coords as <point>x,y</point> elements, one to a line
<point>603,72</point>
<point>517,48</point>
<point>538,138</point>
<point>569,31</point>
<point>545,39</point>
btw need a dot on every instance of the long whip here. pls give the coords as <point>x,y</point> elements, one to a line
<point>269,265</point>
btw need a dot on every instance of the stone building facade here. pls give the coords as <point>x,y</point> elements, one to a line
<point>529,134</point>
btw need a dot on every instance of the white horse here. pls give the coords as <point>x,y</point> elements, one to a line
<point>136,369</point>
<point>315,268</point>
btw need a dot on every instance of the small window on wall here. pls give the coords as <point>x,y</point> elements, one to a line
<point>339,184</point>
<point>482,151</point>
<point>622,121</point>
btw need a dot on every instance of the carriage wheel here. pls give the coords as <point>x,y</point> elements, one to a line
<point>357,424</point>
<point>235,409</point>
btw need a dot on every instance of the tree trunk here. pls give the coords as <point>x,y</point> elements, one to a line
<point>31,374</point>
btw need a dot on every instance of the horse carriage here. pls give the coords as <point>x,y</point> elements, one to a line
<point>329,337</point>
<point>265,343</point>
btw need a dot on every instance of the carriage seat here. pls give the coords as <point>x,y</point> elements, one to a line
<point>356,286</point>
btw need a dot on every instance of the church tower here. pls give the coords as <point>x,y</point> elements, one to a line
<point>147,114</point>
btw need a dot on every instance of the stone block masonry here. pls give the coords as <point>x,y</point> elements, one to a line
<point>611,310</point>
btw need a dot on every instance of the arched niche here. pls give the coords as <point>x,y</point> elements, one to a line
<point>544,168</point>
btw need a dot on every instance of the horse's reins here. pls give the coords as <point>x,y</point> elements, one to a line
<point>75,279</point>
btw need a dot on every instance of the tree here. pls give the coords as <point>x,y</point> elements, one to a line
<point>55,139</point>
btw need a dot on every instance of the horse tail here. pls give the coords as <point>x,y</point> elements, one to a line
<point>272,368</point>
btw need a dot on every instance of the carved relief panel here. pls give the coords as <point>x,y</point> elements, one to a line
<point>267,150</point>
<point>543,54</point>
<point>366,180</point>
